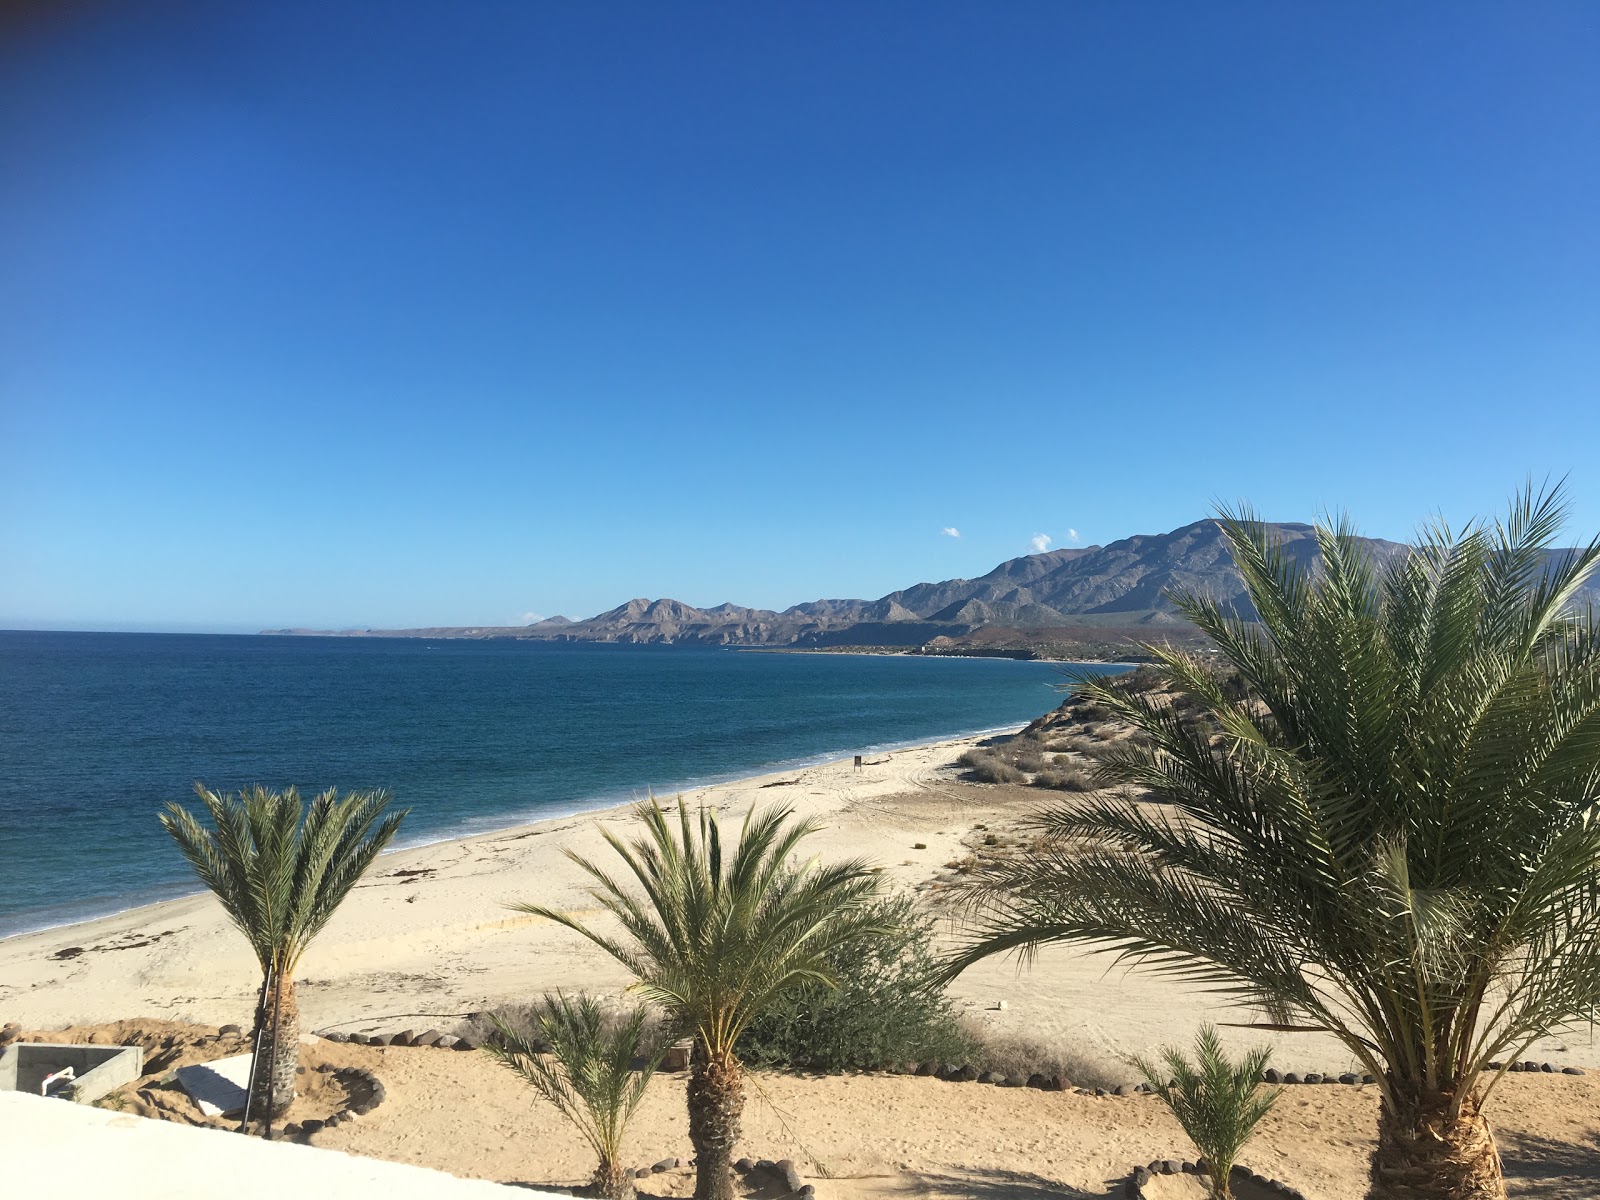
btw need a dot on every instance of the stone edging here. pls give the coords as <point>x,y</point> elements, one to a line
<point>1133,1185</point>
<point>951,1073</point>
<point>365,1091</point>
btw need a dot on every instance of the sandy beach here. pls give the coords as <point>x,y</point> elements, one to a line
<point>427,937</point>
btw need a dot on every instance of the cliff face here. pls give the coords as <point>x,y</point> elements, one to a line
<point>1118,589</point>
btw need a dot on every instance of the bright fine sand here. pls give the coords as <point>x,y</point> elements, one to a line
<point>427,938</point>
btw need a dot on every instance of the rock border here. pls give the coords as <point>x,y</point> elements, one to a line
<point>962,1072</point>
<point>1134,1181</point>
<point>365,1091</point>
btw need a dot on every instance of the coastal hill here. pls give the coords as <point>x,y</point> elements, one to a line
<point>1114,594</point>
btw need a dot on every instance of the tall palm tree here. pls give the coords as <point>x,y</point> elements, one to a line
<point>280,871</point>
<point>1383,825</point>
<point>713,937</point>
<point>584,1065</point>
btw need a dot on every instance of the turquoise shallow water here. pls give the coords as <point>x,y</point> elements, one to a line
<point>98,730</point>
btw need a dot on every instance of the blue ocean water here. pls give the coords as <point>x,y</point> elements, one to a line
<point>98,730</point>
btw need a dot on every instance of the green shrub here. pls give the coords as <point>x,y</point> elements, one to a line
<point>889,1006</point>
<point>588,1066</point>
<point>1218,1102</point>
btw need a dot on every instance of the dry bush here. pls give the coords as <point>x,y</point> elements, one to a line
<point>1018,1057</point>
<point>1070,780</point>
<point>989,768</point>
<point>1030,761</point>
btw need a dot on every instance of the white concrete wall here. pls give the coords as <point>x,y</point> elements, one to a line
<point>53,1148</point>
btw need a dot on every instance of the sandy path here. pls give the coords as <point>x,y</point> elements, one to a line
<point>878,1136</point>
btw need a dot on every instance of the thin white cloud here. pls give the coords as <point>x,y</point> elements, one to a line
<point>950,531</point>
<point>529,618</point>
<point>1041,542</point>
<point>1072,536</point>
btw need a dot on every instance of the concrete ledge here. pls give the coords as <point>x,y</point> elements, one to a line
<point>49,1145</point>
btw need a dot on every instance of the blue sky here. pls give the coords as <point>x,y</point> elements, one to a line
<point>407,313</point>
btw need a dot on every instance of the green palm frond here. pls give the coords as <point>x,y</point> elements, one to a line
<point>713,933</point>
<point>1387,826</point>
<point>591,1069</point>
<point>280,870</point>
<point>1218,1102</point>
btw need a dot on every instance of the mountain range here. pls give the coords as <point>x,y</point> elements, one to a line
<point>1113,593</point>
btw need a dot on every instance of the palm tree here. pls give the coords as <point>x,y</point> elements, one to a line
<point>1219,1103</point>
<point>1383,824</point>
<point>281,871</point>
<point>713,937</point>
<point>584,1066</point>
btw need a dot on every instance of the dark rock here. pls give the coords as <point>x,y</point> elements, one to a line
<point>1007,1081</point>
<point>947,1071</point>
<point>1530,1066</point>
<point>336,1035</point>
<point>1202,1167</point>
<point>966,1074</point>
<point>1572,1070</point>
<point>1141,1176</point>
<point>1547,1068</point>
<point>808,1191</point>
<point>229,1029</point>
<point>927,1068</point>
<point>1122,1089</point>
<point>764,1164</point>
<point>311,1126</point>
<point>448,1042</point>
<point>1272,1075</point>
<point>1170,1166</point>
<point>1039,1081</point>
<point>427,1038</point>
<point>1313,1077</point>
<point>666,1164</point>
<point>1291,1077</point>
<point>1188,1168</point>
<point>466,1043</point>
<point>790,1174</point>
<point>404,1038</point>
<point>991,1077</point>
<point>642,1173</point>
<point>744,1166</point>
<point>1369,1079</point>
<point>1330,1079</point>
<point>1100,1092</point>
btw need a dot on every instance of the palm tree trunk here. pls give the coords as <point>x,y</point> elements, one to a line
<point>279,1060</point>
<point>613,1181</point>
<point>1427,1153</point>
<point>716,1099</point>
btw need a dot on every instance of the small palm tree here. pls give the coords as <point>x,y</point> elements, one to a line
<point>585,1067</point>
<point>280,872</point>
<point>1219,1103</point>
<point>1384,824</point>
<point>713,935</point>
